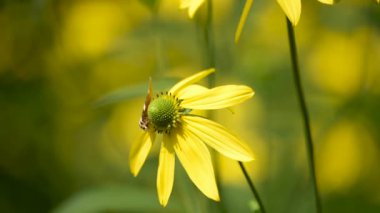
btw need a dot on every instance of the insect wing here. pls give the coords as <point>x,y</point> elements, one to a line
<point>144,121</point>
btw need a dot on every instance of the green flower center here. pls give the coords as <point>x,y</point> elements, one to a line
<point>163,112</point>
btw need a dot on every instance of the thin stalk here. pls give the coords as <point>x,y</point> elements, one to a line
<point>252,187</point>
<point>209,39</point>
<point>304,112</point>
<point>210,52</point>
<point>208,34</point>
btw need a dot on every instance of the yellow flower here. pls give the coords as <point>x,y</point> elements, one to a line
<point>291,8</point>
<point>185,134</point>
<point>192,5</point>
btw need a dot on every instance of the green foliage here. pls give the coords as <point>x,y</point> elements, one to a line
<point>57,57</point>
<point>151,4</point>
<point>115,199</point>
<point>133,91</point>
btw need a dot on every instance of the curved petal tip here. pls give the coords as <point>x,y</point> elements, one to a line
<point>292,9</point>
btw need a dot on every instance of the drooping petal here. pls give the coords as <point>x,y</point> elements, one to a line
<point>216,136</point>
<point>195,159</point>
<point>192,5</point>
<point>292,9</point>
<point>333,1</point>
<point>165,173</point>
<point>190,80</point>
<point>243,19</point>
<point>139,151</point>
<point>219,97</point>
<point>191,91</point>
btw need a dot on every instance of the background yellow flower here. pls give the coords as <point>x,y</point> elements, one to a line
<point>291,8</point>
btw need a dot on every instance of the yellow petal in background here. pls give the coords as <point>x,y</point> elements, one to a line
<point>196,160</point>
<point>330,1</point>
<point>348,154</point>
<point>333,66</point>
<point>192,5</point>
<point>190,80</point>
<point>91,27</point>
<point>165,173</point>
<point>139,151</point>
<point>216,136</point>
<point>219,97</point>
<point>243,19</point>
<point>292,9</point>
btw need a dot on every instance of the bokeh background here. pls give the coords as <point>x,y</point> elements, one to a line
<point>73,76</point>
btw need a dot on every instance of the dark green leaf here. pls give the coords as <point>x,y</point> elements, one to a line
<point>151,4</point>
<point>133,91</point>
<point>115,198</point>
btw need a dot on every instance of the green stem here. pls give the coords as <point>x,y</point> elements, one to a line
<point>305,115</point>
<point>252,187</point>
<point>209,39</point>
<point>210,63</point>
<point>210,53</point>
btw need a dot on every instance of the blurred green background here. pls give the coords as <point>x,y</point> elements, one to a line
<point>65,142</point>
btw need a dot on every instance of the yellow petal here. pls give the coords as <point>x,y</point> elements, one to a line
<point>165,173</point>
<point>190,80</point>
<point>243,19</point>
<point>292,9</point>
<point>139,151</point>
<point>192,5</point>
<point>331,1</point>
<point>191,91</point>
<point>219,97</point>
<point>195,159</point>
<point>216,136</point>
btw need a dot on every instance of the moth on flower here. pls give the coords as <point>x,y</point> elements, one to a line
<point>144,115</point>
<point>186,134</point>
